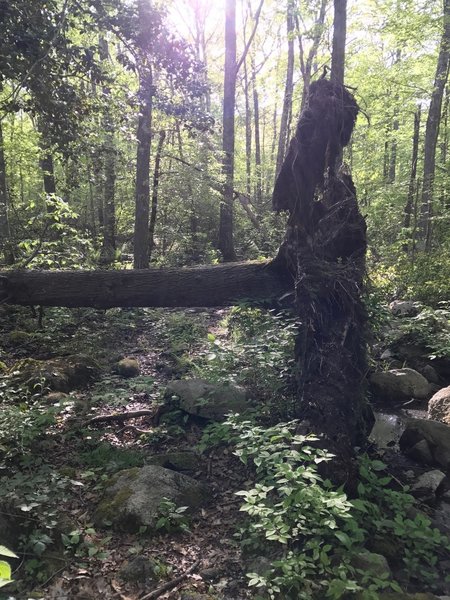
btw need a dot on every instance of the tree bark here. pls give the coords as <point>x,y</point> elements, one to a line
<point>144,140</point>
<point>413,176</point>
<point>339,36</point>
<point>226,244</point>
<point>5,232</point>
<point>324,249</point>
<point>108,250</point>
<point>288,88</point>
<point>156,176</point>
<point>432,130</point>
<point>219,285</point>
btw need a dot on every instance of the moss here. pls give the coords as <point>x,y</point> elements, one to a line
<point>18,337</point>
<point>128,367</point>
<point>112,507</point>
<point>3,367</point>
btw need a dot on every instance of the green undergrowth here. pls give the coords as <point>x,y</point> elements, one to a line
<point>313,533</point>
<point>257,353</point>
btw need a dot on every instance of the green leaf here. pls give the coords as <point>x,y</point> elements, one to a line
<point>4,551</point>
<point>5,570</point>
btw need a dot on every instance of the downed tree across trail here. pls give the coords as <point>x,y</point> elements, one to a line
<point>218,285</point>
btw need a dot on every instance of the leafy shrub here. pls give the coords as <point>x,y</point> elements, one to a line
<point>311,531</point>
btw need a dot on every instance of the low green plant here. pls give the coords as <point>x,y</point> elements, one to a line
<point>312,531</point>
<point>5,567</point>
<point>171,518</point>
<point>85,542</point>
<point>257,353</point>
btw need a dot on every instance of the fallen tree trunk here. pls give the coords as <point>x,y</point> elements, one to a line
<point>218,285</point>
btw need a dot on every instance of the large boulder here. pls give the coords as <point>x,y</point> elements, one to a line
<point>57,374</point>
<point>208,400</point>
<point>134,496</point>
<point>423,440</point>
<point>399,385</point>
<point>439,406</point>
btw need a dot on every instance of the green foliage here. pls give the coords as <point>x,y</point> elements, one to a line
<point>430,328</point>
<point>85,542</point>
<point>109,457</point>
<point>172,518</point>
<point>311,531</point>
<point>258,354</point>
<point>5,568</point>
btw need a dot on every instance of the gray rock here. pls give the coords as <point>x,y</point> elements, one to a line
<point>369,562</point>
<point>421,453</point>
<point>387,354</point>
<point>435,434</point>
<point>430,374</point>
<point>208,400</point>
<point>405,308</point>
<point>399,385</point>
<point>427,484</point>
<point>439,406</point>
<point>134,496</point>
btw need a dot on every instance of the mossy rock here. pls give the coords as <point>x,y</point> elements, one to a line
<point>128,367</point>
<point>58,374</point>
<point>56,398</point>
<point>140,569</point>
<point>134,496</point>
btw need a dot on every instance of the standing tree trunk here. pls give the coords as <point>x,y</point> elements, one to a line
<point>156,177</point>
<point>5,233</point>
<point>288,88</point>
<point>339,35</point>
<point>248,132</point>
<point>108,250</point>
<point>412,178</point>
<point>258,161</point>
<point>144,139</point>
<point>226,245</point>
<point>432,130</point>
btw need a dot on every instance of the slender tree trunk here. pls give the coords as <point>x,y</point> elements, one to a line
<point>5,232</point>
<point>48,173</point>
<point>339,35</point>
<point>413,176</point>
<point>226,244</point>
<point>395,125</point>
<point>444,145</point>
<point>108,250</point>
<point>156,177</point>
<point>432,130</point>
<point>288,88</point>
<point>248,133</point>
<point>258,159</point>
<point>144,139</point>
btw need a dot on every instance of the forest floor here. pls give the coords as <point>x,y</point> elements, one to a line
<point>88,455</point>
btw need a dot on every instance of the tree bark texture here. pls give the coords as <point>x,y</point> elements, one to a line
<point>108,250</point>
<point>324,250</point>
<point>226,244</point>
<point>432,130</point>
<point>5,233</point>
<point>218,285</point>
<point>154,210</point>
<point>413,175</point>
<point>339,36</point>
<point>288,88</point>
<point>144,140</point>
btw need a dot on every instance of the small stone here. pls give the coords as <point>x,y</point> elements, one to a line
<point>140,569</point>
<point>405,308</point>
<point>428,483</point>
<point>128,367</point>
<point>210,574</point>
<point>430,374</point>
